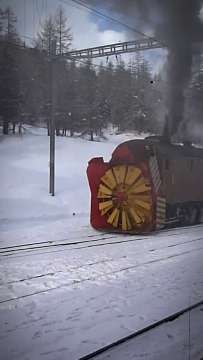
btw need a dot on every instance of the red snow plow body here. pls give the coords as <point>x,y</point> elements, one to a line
<point>123,196</point>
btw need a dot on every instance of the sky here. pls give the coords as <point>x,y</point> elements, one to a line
<point>88,30</point>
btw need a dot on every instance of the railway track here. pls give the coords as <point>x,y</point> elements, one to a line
<point>97,241</point>
<point>57,244</point>
<point>91,278</point>
<point>104,350</point>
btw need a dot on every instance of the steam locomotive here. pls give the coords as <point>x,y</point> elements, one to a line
<point>147,185</point>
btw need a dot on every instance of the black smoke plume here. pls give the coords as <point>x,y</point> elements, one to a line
<point>177,24</point>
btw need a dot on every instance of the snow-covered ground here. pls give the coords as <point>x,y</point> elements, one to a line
<point>27,210</point>
<point>59,301</point>
<point>170,341</point>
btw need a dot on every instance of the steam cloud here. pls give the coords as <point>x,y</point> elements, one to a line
<point>177,24</point>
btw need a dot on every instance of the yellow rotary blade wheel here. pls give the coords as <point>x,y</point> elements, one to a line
<point>125,198</point>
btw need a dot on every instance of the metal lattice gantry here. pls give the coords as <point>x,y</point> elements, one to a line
<point>115,49</point>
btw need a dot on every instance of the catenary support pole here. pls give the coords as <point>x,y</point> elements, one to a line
<point>52,119</point>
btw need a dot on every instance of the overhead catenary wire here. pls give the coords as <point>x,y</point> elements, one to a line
<point>23,46</point>
<point>107,17</point>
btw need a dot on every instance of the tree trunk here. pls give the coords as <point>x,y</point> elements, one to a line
<point>5,127</point>
<point>14,128</point>
<point>20,128</point>
<point>48,128</point>
<point>91,135</point>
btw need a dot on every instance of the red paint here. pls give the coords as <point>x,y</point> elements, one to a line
<point>122,155</point>
<point>96,169</point>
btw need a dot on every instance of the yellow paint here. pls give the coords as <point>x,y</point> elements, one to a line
<point>109,179</point>
<point>125,221</point>
<point>104,207</point>
<point>113,217</point>
<point>104,190</point>
<point>115,222</point>
<point>135,210</point>
<point>140,189</point>
<point>132,174</point>
<point>135,217</point>
<point>128,223</point>
<point>101,195</point>
<point>119,172</point>
<point>143,197</point>
<point>143,204</point>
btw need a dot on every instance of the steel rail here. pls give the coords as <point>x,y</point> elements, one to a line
<point>93,243</point>
<point>93,278</point>
<point>135,334</point>
<point>102,262</point>
<point>113,234</point>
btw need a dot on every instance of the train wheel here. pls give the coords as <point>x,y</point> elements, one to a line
<point>125,198</point>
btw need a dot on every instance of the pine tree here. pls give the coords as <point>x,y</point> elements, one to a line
<point>9,71</point>
<point>9,89</point>
<point>47,35</point>
<point>88,89</point>
<point>55,29</point>
<point>8,25</point>
<point>141,111</point>
<point>1,23</point>
<point>63,32</point>
<point>104,94</point>
<point>121,96</point>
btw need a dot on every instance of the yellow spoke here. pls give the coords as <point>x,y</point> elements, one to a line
<point>104,207</point>
<point>126,225</point>
<point>119,172</point>
<point>104,190</point>
<point>136,218</point>
<point>140,189</point>
<point>115,222</point>
<point>109,179</point>
<point>141,213</point>
<point>139,182</point>
<point>133,198</point>
<point>101,195</point>
<point>113,218</point>
<point>132,174</point>
<point>143,197</point>
<point>143,204</point>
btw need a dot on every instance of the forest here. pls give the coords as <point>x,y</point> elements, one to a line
<point>84,97</point>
